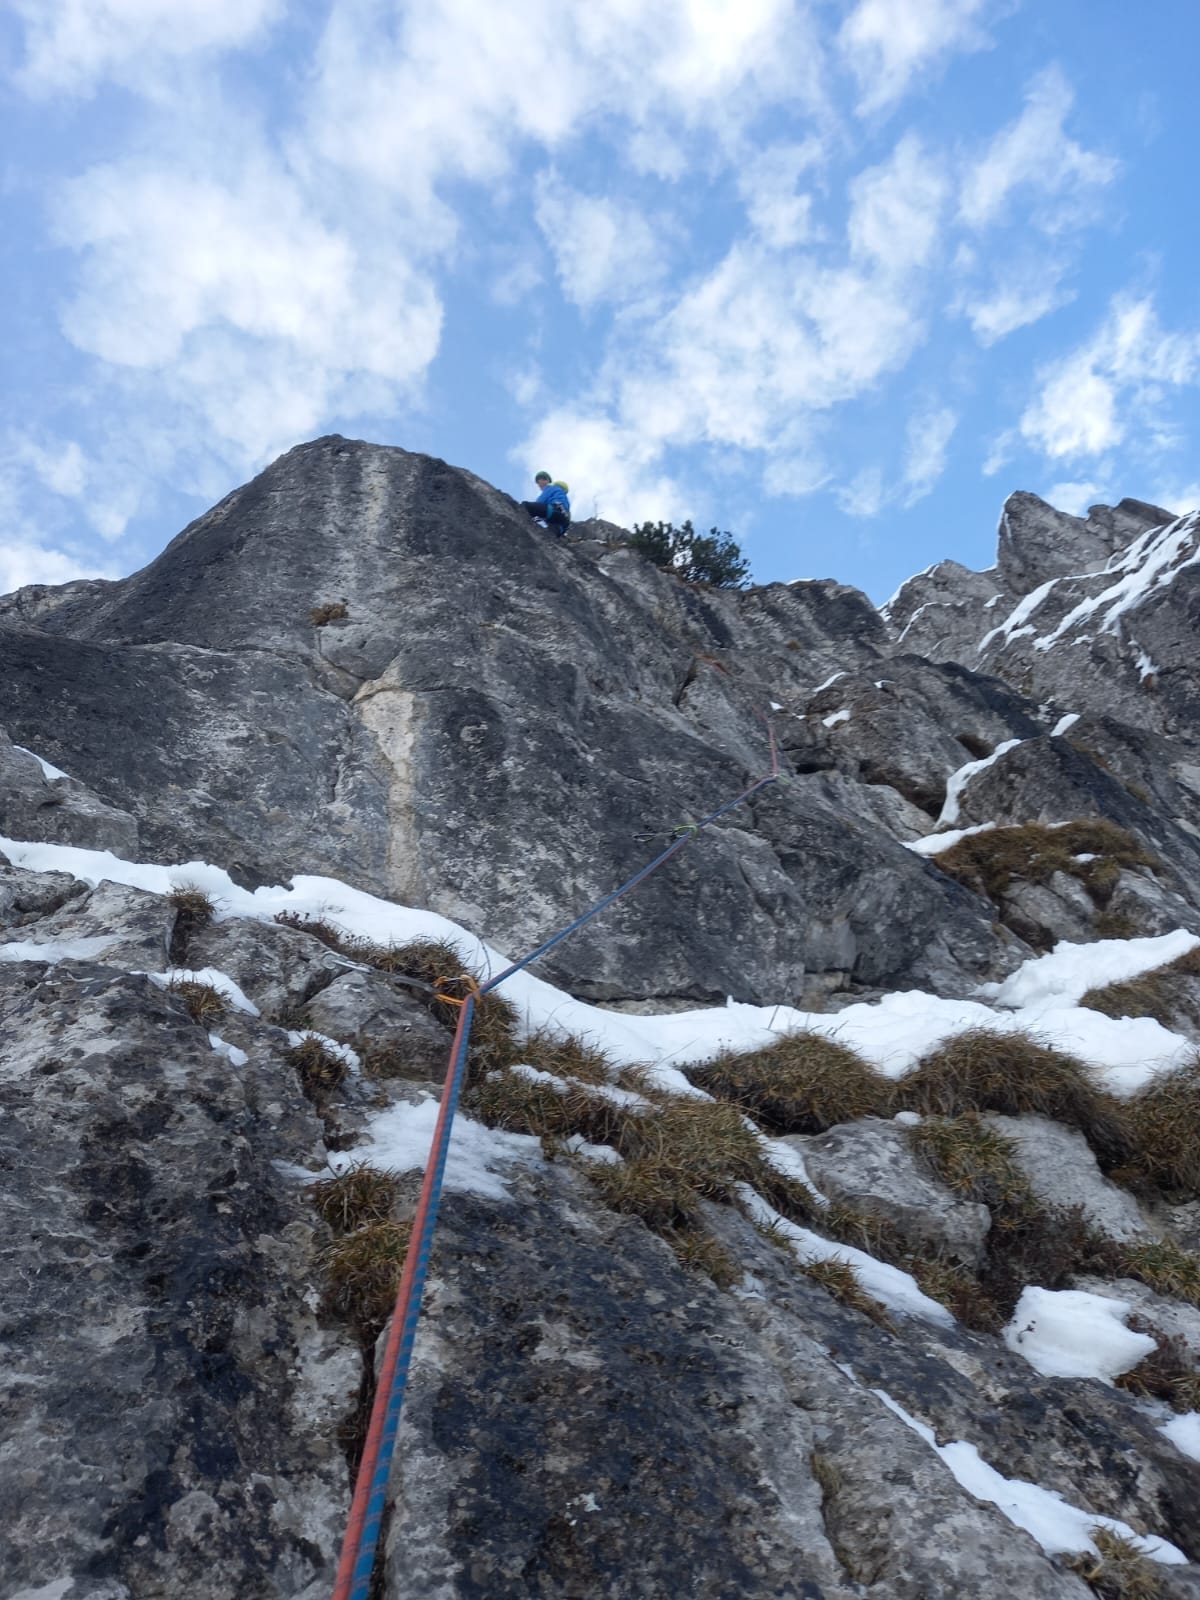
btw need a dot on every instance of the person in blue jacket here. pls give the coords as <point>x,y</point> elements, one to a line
<point>551,506</point>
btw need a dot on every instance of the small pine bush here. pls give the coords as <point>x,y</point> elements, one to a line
<point>713,558</point>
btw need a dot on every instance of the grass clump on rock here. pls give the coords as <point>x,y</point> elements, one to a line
<point>839,1279</point>
<point>1163,993</point>
<point>331,611</point>
<point>991,862</point>
<point>355,1198</point>
<point>1164,1121</point>
<point>1014,1075</point>
<point>319,1070</point>
<point>194,910</point>
<point>1120,1571</point>
<point>1167,1373</point>
<point>802,1083</point>
<point>204,1004</point>
<point>1162,1265</point>
<point>363,1273</point>
<point>973,1160</point>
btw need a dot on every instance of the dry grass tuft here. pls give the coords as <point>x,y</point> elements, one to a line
<point>700,1252</point>
<point>205,1004</point>
<point>320,1071</point>
<point>1136,997</point>
<point>1120,1571</point>
<point>957,1288</point>
<point>194,910</point>
<point>1163,1266</point>
<point>1012,1074</point>
<point>332,611</point>
<point>363,1273</point>
<point>1167,1373</point>
<point>973,1160</point>
<point>839,1279</point>
<point>567,1056</point>
<point>989,863</point>
<point>356,1197</point>
<point>800,1084</point>
<point>521,1104</point>
<point>1164,1120</point>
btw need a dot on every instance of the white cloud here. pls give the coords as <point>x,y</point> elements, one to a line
<point>1074,498</point>
<point>1014,304</point>
<point>59,466</point>
<point>235,299</point>
<point>618,466</point>
<point>886,43</point>
<point>604,249</point>
<point>864,495</point>
<point>71,44</point>
<point>25,561</point>
<point>1089,399</point>
<point>767,182</point>
<point>1035,153</point>
<point>410,95</point>
<point>894,209</point>
<point>928,440</point>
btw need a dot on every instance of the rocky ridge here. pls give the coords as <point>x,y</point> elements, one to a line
<point>590,1415</point>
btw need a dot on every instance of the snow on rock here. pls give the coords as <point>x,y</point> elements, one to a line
<point>957,783</point>
<point>835,718</point>
<point>895,1290</point>
<point>343,1052</point>
<point>1069,970</point>
<point>235,1056</point>
<point>50,772</point>
<point>212,979</point>
<point>1184,1433</point>
<point>399,1140</point>
<point>1068,1333</point>
<point>1064,724</point>
<point>1059,1527</point>
<point>933,844</point>
<point>84,949</point>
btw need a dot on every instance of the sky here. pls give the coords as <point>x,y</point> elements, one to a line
<point>833,275</point>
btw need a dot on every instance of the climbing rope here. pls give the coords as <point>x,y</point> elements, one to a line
<point>370,1488</point>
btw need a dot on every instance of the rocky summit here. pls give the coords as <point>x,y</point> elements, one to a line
<point>822,1219</point>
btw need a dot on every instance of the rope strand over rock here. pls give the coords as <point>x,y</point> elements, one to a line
<point>370,1490</point>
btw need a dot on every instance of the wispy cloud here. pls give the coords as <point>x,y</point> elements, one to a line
<point>604,249</point>
<point>1036,154</point>
<point>887,43</point>
<point>71,45</point>
<point>1087,401</point>
<point>928,440</point>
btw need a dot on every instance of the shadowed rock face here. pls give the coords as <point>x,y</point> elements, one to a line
<point>488,730</point>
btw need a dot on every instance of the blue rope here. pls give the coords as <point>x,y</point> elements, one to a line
<point>376,1505</point>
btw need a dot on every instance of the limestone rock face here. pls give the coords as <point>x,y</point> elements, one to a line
<point>488,723</point>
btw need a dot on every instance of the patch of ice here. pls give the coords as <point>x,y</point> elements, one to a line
<point>1067,1333</point>
<point>895,1290</point>
<point>399,1139</point>
<point>1059,1527</point>
<point>1184,1433</point>
<point>957,783</point>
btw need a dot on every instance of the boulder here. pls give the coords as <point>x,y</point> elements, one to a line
<point>1062,1172</point>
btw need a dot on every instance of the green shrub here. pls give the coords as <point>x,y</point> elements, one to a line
<point>713,558</point>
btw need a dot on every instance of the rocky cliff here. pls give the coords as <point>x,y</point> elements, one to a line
<point>729,1301</point>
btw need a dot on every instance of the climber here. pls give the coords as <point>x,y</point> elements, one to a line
<point>551,506</point>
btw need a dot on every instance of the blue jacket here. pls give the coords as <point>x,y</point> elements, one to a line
<point>553,496</point>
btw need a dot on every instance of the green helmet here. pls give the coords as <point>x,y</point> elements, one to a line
<point>538,476</point>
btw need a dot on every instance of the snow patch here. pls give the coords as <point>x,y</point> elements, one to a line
<point>957,782</point>
<point>1184,1433</point>
<point>479,1158</point>
<point>1064,724</point>
<point>1059,1527</point>
<point>49,771</point>
<point>835,718</point>
<point>235,1057</point>
<point>1070,970</point>
<point>933,844</point>
<point>212,978</point>
<point>86,949</point>
<point>1067,1333</point>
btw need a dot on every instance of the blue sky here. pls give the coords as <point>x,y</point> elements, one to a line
<point>835,275</point>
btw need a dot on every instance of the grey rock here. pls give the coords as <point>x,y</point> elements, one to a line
<point>374,1012</point>
<point>1044,913</point>
<point>36,808</point>
<point>172,1405</point>
<point>27,896</point>
<point>112,923</point>
<point>279,968</point>
<point>871,1165</point>
<point>1062,1172</point>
